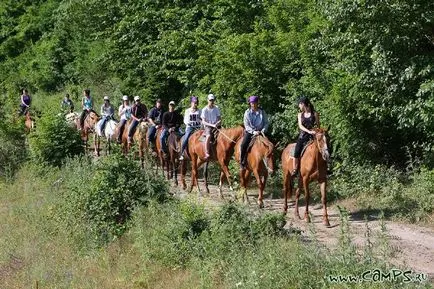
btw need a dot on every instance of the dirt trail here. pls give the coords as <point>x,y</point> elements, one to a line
<point>413,244</point>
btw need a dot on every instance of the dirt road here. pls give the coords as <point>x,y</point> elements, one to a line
<point>412,245</point>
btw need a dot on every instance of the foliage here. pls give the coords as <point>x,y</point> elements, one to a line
<point>104,200</point>
<point>54,140</point>
<point>367,66</point>
<point>13,150</point>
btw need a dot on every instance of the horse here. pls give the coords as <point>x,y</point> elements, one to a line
<point>174,146</point>
<point>72,118</point>
<point>259,162</point>
<point>313,166</point>
<point>108,134</point>
<point>161,159</point>
<point>88,127</point>
<point>221,153</point>
<point>28,122</point>
<point>139,137</point>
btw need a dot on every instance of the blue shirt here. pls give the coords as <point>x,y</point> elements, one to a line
<point>255,120</point>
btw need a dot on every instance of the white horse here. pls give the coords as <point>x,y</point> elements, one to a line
<point>108,134</point>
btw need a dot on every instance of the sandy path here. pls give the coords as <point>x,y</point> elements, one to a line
<point>412,245</point>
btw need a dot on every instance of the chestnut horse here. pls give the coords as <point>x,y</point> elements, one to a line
<point>139,137</point>
<point>29,122</point>
<point>172,163</point>
<point>88,127</point>
<point>260,162</point>
<point>313,166</point>
<point>221,153</point>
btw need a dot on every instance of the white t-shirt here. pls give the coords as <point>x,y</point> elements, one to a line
<point>125,112</point>
<point>192,118</point>
<point>210,115</point>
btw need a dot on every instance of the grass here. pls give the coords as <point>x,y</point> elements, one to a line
<point>177,244</point>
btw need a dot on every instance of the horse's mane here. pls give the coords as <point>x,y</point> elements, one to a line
<point>270,146</point>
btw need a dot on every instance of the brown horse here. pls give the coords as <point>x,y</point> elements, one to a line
<point>313,166</point>
<point>260,162</point>
<point>174,147</point>
<point>221,153</point>
<point>29,122</point>
<point>139,137</point>
<point>89,123</point>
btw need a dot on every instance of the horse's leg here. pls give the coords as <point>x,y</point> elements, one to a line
<point>286,181</point>
<point>261,188</point>
<point>306,197</point>
<point>325,219</point>
<point>175,168</point>
<point>222,175</point>
<point>194,166</point>
<point>225,169</point>
<point>183,172</point>
<point>205,174</point>
<point>297,197</point>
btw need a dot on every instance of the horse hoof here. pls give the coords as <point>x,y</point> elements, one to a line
<point>261,204</point>
<point>326,223</point>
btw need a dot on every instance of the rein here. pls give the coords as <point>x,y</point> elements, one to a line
<point>221,131</point>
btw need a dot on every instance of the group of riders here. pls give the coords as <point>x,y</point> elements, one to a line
<point>209,117</point>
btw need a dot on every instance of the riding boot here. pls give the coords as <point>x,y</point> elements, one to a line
<point>207,148</point>
<point>294,172</point>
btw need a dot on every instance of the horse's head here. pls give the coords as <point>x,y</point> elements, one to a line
<point>93,118</point>
<point>322,142</point>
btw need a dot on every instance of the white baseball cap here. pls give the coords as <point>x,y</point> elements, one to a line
<point>171,102</point>
<point>106,98</point>
<point>125,97</point>
<point>136,98</point>
<point>211,96</point>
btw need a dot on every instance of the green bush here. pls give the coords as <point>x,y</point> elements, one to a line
<point>13,150</point>
<point>104,199</point>
<point>54,140</point>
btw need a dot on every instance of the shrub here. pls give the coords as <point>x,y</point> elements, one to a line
<point>12,150</point>
<point>105,199</point>
<point>54,140</point>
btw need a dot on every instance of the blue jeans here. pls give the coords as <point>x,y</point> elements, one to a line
<point>104,121</point>
<point>152,130</point>
<point>132,129</point>
<point>184,142</point>
<point>164,136</point>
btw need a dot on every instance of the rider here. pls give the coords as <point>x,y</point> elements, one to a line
<point>255,123</point>
<point>124,114</point>
<point>155,118</point>
<point>25,102</point>
<point>67,104</point>
<point>107,112</point>
<point>211,119</point>
<point>87,105</point>
<point>192,122</point>
<point>308,118</point>
<point>171,122</point>
<point>138,114</point>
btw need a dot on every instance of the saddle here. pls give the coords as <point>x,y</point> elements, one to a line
<point>214,135</point>
<point>291,152</point>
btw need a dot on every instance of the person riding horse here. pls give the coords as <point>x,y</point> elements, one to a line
<point>67,105</point>
<point>25,102</point>
<point>192,123</point>
<point>308,118</point>
<point>211,119</point>
<point>124,115</point>
<point>155,118</point>
<point>107,112</point>
<point>255,123</point>
<point>171,123</point>
<point>87,105</point>
<point>138,114</point>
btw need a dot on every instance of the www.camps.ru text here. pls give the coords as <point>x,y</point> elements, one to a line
<point>377,275</point>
